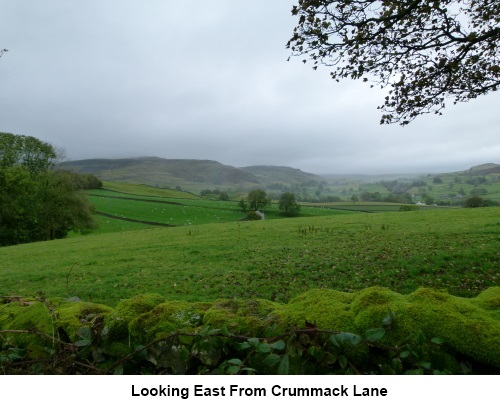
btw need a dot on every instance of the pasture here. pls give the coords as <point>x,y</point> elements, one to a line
<point>454,250</point>
<point>169,211</point>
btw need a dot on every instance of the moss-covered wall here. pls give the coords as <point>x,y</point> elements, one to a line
<point>470,326</point>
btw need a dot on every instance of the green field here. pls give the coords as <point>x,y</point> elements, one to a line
<point>144,190</point>
<point>367,206</point>
<point>163,209</point>
<point>454,249</point>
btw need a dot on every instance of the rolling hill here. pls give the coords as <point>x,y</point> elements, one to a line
<point>487,168</point>
<point>272,175</point>
<point>167,173</point>
<point>196,175</point>
<point>190,174</point>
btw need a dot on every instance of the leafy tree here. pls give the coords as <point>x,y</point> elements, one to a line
<point>367,196</point>
<point>16,191</point>
<point>36,202</point>
<point>243,204</point>
<point>59,208</point>
<point>257,199</point>
<point>288,204</point>
<point>429,200</point>
<point>223,196</point>
<point>474,202</point>
<point>20,150</point>
<point>423,51</point>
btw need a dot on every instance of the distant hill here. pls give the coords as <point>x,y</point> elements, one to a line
<point>190,174</point>
<point>487,168</point>
<point>367,178</point>
<point>270,175</point>
<point>196,175</point>
<point>158,172</point>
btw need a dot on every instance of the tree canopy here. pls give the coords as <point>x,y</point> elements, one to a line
<point>424,51</point>
<point>288,204</point>
<point>257,199</point>
<point>36,202</point>
<point>27,151</point>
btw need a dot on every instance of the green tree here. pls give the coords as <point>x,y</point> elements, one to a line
<point>474,202</point>
<point>243,205</point>
<point>16,196</point>
<point>288,204</point>
<point>36,202</point>
<point>429,200</point>
<point>223,196</point>
<point>31,153</point>
<point>59,208</point>
<point>423,51</point>
<point>257,199</point>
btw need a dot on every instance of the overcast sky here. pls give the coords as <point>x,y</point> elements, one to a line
<point>192,79</point>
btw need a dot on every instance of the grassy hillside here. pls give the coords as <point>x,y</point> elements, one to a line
<point>194,175</point>
<point>487,168</point>
<point>190,174</point>
<point>197,175</point>
<point>286,176</point>
<point>145,190</point>
<point>456,250</point>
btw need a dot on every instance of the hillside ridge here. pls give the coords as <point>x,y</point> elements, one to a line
<point>192,173</point>
<point>198,174</point>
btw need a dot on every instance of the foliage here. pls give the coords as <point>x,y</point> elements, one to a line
<point>474,202</point>
<point>26,151</point>
<point>243,204</point>
<point>221,195</point>
<point>409,207</point>
<point>288,205</point>
<point>83,181</point>
<point>89,345</point>
<point>257,199</point>
<point>423,51</point>
<point>37,203</point>
<point>367,196</point>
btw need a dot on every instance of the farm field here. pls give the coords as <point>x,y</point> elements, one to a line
<point>367,206</point>
<point>455,250</point>
<point>174,211</point>
<point>145,190</point>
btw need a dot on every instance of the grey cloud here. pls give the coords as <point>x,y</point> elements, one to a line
<point>209,80</point>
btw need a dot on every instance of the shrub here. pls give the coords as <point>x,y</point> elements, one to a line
<point>474,202</point>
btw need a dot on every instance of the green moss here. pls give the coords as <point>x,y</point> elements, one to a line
<point>372,305</point>
<point>469,326</point>
<point>117,322</point>
<point>167,317</point>
<point>327,309</point>
<point>489,299</point>
<point>242,316</point>
<point>26,315</point>
<point>72,315</point>
<point>466,326</point>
